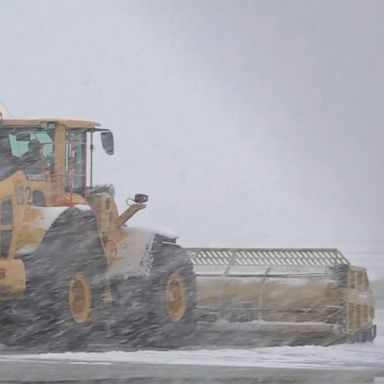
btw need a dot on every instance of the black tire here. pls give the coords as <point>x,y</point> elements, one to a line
<point>140,311</point>
<point>130,310</point>
<point>71,247</point>
<point>163,329</point>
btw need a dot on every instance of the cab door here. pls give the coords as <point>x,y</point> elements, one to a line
<point>75,162</point>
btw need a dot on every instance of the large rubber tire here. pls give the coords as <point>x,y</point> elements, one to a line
<point>130,310</point>
<point>140,309</point>
<point>172,315</point>
<point>71,249</point>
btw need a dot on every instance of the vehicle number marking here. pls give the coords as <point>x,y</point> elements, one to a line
<point>23,195</point>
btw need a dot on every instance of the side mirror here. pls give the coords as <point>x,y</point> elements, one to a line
<point>107,142</point>
<point>140,198</point>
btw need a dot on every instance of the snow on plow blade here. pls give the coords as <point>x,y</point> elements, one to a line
<point>281,296</point>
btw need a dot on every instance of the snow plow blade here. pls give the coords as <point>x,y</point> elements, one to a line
<point>263,297</point>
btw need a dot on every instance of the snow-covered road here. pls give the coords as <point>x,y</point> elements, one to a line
<point>355,363</point>
<point>339,363</point>
<point>346,356</point>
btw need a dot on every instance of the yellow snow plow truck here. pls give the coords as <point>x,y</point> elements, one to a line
<point>73,274</point>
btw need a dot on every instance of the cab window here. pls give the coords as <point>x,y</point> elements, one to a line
<point>33,149</point>
<point>75,161</point>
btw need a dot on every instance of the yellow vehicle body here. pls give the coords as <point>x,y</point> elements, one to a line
<point>30,222</point>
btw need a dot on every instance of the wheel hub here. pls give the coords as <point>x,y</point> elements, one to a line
<point>80,298</point>
<point>176,297</point>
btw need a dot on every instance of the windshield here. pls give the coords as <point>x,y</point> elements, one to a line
<point>29,149</point>
<point>21,142</point>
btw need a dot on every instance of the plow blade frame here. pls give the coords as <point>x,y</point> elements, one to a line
<point>290,295</point>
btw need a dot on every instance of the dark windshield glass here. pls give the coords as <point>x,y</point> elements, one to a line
<point>28,149</point>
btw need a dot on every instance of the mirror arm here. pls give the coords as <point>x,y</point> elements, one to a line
<point>129,212</point>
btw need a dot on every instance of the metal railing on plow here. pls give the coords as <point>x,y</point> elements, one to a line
<point>257,261</point>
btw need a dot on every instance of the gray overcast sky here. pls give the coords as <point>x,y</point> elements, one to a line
<point>249,123</point>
